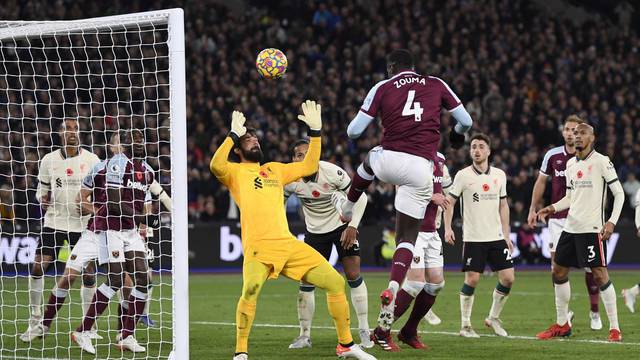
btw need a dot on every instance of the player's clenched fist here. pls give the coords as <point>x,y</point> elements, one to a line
<point>311,117</point>
<point>237,123</point>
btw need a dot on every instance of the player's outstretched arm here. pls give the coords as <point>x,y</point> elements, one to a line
<point>220,165</point>
<point>312,117</point>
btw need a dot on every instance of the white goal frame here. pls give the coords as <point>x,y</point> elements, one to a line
<point>174,18</point>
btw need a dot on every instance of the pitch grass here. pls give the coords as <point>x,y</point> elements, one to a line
<point>213,300</point>
<point>57,345</point>
<point>530,309</point>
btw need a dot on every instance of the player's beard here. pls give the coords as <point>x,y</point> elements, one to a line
<point>253,155</point>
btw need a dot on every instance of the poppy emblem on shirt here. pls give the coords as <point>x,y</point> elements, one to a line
<point>263,174</point>
<point>315,193</point>
<point>139,176</point>
<point>485,187</point>
<point>69,171</point>
<point>580,174</point>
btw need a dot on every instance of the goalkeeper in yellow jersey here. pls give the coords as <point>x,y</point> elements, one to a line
<point>269,247</point>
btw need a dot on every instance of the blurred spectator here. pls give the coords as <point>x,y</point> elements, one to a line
<point>631,186</point>
<point>530,252</point>
<point>519,72</point>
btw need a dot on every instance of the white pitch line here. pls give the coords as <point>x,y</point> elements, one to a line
<point>449,333</point>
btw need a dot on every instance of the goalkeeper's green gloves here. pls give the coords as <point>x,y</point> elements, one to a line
<point>237,124</point>
<point>311,116</point>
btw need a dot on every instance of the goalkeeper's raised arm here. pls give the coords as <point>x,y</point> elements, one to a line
<point>243,144</point>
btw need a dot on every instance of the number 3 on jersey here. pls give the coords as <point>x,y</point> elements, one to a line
<point>412,108</point>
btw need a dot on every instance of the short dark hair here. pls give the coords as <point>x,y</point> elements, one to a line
<point>62,123</point>
<point>298,143</point>
<point>402,58</point>
<point>482,137</point>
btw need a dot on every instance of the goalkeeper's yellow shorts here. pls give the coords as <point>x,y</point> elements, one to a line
<point>290,257</point>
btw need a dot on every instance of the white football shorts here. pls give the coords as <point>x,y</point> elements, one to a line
<point>85,250</point>
<point>555,229</point>
<point>413,176</point>
<point>116,243</point>
<point>427,252</point>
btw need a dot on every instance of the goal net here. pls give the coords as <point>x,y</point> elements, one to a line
<point>110,74</point>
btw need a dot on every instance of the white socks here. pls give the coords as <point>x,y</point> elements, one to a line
<point>466,305</point>
<point>306,309</point>
<point>498,303</point>
<point>36,287</point>
<point>360,302</point>
<point>608,296</point>
<point>563,295</point>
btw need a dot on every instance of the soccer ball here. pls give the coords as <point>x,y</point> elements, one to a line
<point>271,63</point>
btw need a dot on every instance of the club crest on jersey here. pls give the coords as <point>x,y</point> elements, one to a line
<point>485,187</point>
<point>139,175</point>
<point>325,186</point>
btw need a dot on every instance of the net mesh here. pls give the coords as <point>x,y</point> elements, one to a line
<point>108,74</point>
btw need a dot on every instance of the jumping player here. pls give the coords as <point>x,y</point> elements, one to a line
<point>583,242</point>
<point>269,247</point>
<point>553,167</point>
<point>425,279</point>
<point>319,194</point>
<point>410,106</point>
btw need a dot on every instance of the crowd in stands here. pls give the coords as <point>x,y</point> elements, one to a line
<point>519,71</point>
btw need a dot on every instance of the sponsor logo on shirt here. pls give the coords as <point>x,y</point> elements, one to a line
<point>257,183</point>
<point>559,173</point>
<point>476,197</point>
<point>137,186</point>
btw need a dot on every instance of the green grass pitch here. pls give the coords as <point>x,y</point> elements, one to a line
<point>213,298</point>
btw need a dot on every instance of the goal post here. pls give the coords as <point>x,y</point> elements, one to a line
<point>109,73</point>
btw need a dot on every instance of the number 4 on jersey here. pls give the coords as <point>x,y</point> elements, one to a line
<point>412,108</point>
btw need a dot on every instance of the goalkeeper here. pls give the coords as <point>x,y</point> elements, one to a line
<point>269,248</point>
